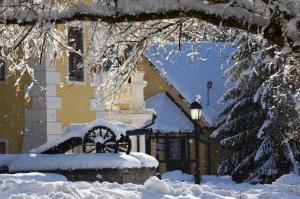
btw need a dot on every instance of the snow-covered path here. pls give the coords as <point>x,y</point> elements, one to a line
<point>212,188</point>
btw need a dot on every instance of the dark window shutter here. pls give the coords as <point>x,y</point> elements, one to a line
<point>75,41</point>
<point>2,70</point>
<point>2,66</point>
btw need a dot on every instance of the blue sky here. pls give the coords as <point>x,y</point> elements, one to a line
<point>190,68</point>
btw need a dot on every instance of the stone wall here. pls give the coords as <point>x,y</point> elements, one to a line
<point>132,175</point>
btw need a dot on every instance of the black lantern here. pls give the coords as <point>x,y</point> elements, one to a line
<point>196,108</point>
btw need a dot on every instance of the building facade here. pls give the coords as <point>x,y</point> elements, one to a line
<point>65,94</point>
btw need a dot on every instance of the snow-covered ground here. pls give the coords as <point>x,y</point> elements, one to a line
<point>212,187</point>
<point>178,175</point>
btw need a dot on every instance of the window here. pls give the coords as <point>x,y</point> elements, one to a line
<point>175,149</point>
<point>76,70</point>
<point>2,70</point>
<point>2,66</point>
<point>2,147</point>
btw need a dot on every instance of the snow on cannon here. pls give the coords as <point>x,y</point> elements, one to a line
<point>98,136</point>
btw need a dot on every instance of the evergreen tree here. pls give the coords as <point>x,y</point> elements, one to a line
<point>260,125</point>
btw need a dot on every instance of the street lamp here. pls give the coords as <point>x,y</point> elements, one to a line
<point>196,108</point>
<point>209,86</point>
<point>196,113</point>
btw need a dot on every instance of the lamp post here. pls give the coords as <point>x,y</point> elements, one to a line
<point>196,113</point>
<point>209,86</point>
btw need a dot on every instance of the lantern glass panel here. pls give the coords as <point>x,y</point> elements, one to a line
<point>196,114</point>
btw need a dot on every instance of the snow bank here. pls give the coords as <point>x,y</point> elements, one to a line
<point>146,160</point>
<point>213,187</point>
<point>289,183</point>
<point>156,185</point>
<point>44,162</point>
<point>178,175</point>
<point>290,179</point>
<point>216,179</point>
<point>79,130</point>
<point>43,177</point>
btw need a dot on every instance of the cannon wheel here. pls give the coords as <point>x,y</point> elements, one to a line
<point>124,144</point>
<point>103,140</point>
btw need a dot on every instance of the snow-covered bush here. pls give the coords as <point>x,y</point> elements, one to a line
<point>261,123</point>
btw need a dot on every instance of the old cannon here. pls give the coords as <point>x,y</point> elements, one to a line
<point>99,136</point>
<point>101,139</point>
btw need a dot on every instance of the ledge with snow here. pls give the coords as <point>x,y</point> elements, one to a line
<point>111,167</point>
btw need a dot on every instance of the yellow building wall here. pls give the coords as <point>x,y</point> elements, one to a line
<point>75,96</point>
<point>12,110</point>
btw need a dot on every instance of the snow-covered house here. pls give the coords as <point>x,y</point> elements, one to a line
<point>179,142</point>
<point>68,97</point>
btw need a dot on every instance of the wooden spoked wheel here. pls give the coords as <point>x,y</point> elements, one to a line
<point>124,144</point>
<point>101,139</point>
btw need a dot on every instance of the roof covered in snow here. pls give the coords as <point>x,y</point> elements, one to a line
<point>170,118</point>
<point>190,71</point>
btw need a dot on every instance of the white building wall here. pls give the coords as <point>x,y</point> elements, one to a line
<point>41,124</point>
<point>137,115</point>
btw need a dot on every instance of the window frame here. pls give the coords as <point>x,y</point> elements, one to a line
<point>175,146</point>
<point>4,70</point>
<point>75,80</point>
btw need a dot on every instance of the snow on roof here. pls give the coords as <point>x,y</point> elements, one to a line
<point>45,162</point>
<point>79,130</point>
<point>189,73</point>
<point>170,118</point>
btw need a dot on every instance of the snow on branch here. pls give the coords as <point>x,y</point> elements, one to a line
<point>128,10</point>
<point>277,21</point>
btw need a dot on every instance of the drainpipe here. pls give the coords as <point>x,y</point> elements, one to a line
<point>141,131</point>
<point>141,134</point>
<point>152,122</point>
<point>197,154</point>
<point>143,138</point>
